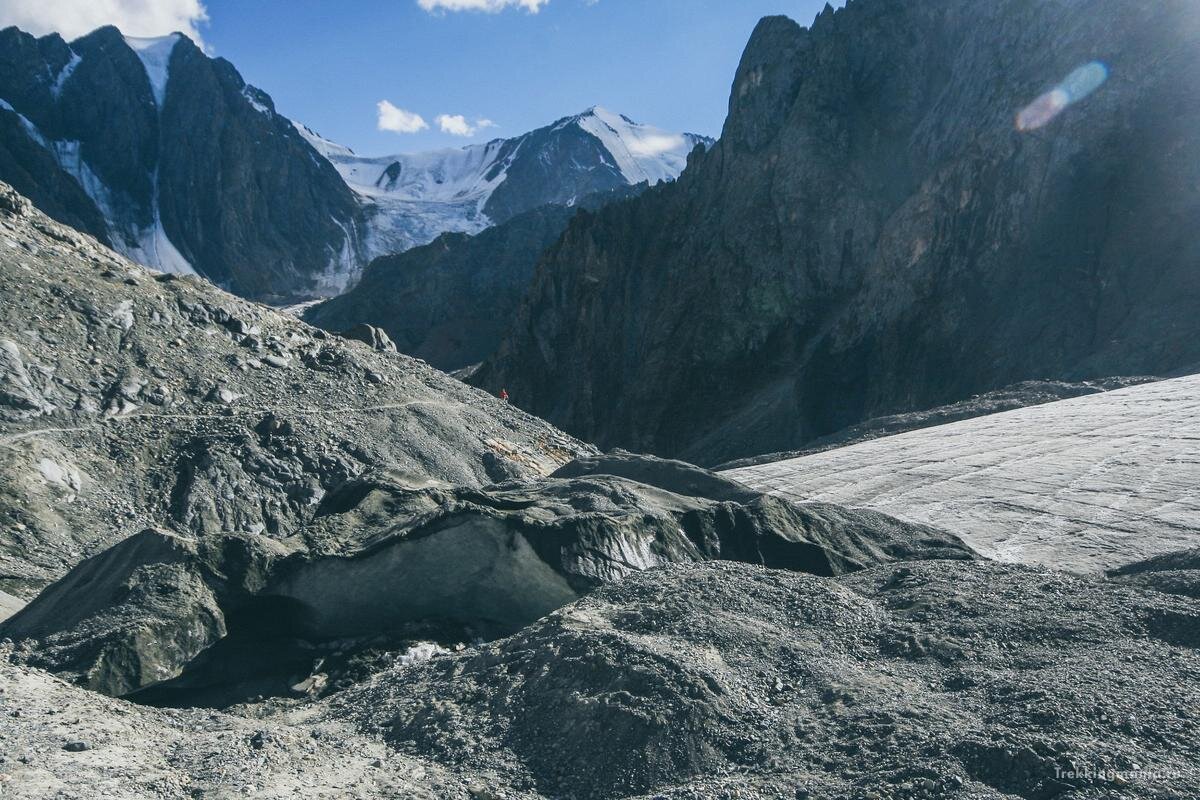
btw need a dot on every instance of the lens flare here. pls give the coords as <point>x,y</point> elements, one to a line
<point>1075,87</point>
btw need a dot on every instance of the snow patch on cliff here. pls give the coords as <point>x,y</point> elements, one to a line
<point>155,54</point>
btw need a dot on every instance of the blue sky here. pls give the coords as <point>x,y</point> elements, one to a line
<point>666,62</point>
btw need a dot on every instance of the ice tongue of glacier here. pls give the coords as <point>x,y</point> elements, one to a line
<point>1086,484</point>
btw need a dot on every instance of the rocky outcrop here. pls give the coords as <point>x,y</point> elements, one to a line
<point>170,618</point>
<point>881,229</point>
<point>451,301</point>
<point>130,616</point>
<point>377,338</point>
<point>130,399</point>
<point>1173,573</point>
<point>175,162</point>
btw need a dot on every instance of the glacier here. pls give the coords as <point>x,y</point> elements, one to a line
<point>1086,484</point>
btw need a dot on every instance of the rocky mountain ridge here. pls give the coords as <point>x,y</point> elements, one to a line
<point>881,229</point>
<point>199,172</point>
<point>171,158</point>
<point>451,302</point>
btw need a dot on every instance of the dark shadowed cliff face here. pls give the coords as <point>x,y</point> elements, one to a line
<point>450,302</point>
<point>242,193</point>
<point>875,233</point>
<point>170,157</point>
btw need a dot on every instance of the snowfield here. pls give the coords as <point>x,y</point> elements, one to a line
<point>1086,484</point>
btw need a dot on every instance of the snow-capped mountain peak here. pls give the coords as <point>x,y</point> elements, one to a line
<point>415,197</point>
<point>322,145</point>
<point>155,187</point>
<point>642,152</point>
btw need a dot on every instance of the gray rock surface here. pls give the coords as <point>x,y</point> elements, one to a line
<point>873,235</point>
<point>130,399</point>
<point>383,557</point>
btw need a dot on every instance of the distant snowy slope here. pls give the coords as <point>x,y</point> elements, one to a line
<point>1084,484</point>
<point>642,152</point>
<point>412,198</point>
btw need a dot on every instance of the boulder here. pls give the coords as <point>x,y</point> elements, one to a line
<point>376,337</point>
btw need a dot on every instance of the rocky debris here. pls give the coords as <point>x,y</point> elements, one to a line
<point>872,234</point>
<point>678,477</point>
<point>19,396</point>
<point>932,679</point>
<point>377,338</point>
<point>130,399</point>
<point>138,752</point>
<point>13,203</point>
<point>1173,573</point>
<point>940,679</point>
<point>168,618</point>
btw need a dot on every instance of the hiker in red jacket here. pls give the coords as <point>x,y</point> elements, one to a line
<point>504,395</point>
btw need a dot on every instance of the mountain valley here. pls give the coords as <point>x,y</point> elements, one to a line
<point>851,456</point>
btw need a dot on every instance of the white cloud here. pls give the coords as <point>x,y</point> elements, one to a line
<point>397,120</point>
<point>457,125</point>
<point>74,18</point>
<point>655,144</point>
<point>490,6</point>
